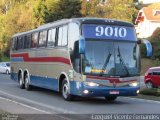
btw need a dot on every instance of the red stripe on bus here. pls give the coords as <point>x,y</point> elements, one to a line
<point>20,55</point>
<point>112,80</point>
<point>26,58</point>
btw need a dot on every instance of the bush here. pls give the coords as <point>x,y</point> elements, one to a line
<point>152,91</point>
<point>155,41</point>
<point>143,51</point>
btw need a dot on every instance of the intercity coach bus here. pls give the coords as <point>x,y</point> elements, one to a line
<point>88,57</point>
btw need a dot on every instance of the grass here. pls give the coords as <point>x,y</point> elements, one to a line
<point>149,94</point>
<point>5,59</point>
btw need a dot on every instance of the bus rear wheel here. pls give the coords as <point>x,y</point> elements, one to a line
<point>65,91</point>
<point>27,84</point>
<point>110,98</point>
<point>21,83</point>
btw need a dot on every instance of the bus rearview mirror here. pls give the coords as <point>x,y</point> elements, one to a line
<point>81,45</point>
<point>148,47</point>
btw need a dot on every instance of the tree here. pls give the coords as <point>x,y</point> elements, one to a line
<point>40,12</point>
<point>115,9</point>
<point>6,5</point>
<point>90,8</point>
<point>17,19</point>
<point>60,9</point>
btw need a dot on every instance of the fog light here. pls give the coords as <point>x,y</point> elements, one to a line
<point>137,91</point>
<point>85,91</point>
<point>135,84</point>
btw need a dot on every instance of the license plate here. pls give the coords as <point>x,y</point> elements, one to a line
<point>114,92</point>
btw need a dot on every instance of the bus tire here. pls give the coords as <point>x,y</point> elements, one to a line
<point>65,91</point>
<point>26,82</point>
<point>20,80</point>
<point>110,98</point>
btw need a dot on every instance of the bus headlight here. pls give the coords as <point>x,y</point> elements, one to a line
<point>133,84</point>
<point>91,84</point>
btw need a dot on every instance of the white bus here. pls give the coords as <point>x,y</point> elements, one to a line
<point>89,57</point>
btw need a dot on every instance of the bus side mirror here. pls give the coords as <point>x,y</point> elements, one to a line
<point>148,47</point>
<point>81,45</point>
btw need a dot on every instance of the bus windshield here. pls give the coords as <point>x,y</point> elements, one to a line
<point>111,58</point>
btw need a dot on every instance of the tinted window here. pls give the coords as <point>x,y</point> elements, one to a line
<point>156,73</point>
<point>51,37</point>
<point>42,38</point>
<point>20,42</point>
<point>62,36</point>
<point>14,43</point>
<point>34,40</point>
<point>8,64</point>
<point>27,41</point>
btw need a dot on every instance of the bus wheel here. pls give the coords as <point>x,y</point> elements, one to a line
<point>27,85</point>
<point>65,91</point>
<point>21,84</point>
<point>110,98</point>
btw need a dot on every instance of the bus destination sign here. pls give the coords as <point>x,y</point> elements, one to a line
<point>109,32</point>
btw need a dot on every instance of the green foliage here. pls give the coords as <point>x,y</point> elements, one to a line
<point>155,40</point>
<point>115,9</point>
<point>143,51</point>
<point>40,12</point>
<point>5,59</point>
<point>61,9</point>
<point>152,91</point>
<point>18,18</point>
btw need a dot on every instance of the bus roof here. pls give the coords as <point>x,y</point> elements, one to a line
<point>78,20</point>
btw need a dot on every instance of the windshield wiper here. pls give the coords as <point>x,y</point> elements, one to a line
<point>105,64</point>
<point>122,62</point>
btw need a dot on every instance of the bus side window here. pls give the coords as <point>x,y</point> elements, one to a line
<point>14,43</point>
<point>51,37</point>
<point>20,42</point>
<point>27,41</point>
<point>62,35</point>
<point>34,40</point>
<point>42,39</point>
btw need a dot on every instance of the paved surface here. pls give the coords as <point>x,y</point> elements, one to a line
<point>142,84</point>
<point>41,101</point>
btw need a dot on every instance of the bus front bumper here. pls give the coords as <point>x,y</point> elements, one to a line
<point>78,88</point>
